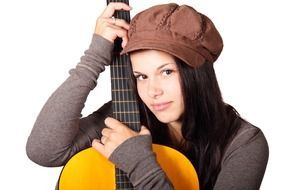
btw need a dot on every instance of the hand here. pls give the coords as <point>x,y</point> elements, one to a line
<point>111,28</point>
<point>114,135</point>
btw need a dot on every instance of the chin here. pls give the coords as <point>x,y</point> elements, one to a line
<point>166,119</point>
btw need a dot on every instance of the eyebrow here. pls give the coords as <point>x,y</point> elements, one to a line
<point>158,68</point>
<point>161,66</point>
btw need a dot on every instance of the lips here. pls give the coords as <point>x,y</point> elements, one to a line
<point>160,106</point>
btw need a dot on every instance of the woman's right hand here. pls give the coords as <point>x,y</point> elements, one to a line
<point>110,28</point>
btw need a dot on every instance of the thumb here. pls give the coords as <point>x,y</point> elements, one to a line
<point>144,131</point>
<point>124,42</point>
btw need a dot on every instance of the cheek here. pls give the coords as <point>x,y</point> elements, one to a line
<point>174,90</point>
<point>173,87</point>
<point>142,92</point>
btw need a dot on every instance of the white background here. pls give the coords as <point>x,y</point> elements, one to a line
<point>41,40</point>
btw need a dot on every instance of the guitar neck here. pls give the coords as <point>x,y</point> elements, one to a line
<point>124,102</point>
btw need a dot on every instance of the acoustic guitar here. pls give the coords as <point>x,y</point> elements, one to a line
<point>89,170</point>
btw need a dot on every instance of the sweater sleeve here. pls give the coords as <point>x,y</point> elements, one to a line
<point>59,131</point>
<point>136,158</point>
<point>245,161</point>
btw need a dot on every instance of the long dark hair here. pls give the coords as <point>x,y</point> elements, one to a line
<point>208,124</point>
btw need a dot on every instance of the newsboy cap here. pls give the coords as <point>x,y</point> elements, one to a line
<point>178,30</point>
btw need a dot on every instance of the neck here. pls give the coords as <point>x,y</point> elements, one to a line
<point>175,131</point>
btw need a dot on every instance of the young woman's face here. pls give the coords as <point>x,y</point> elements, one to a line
<point>158,84</point>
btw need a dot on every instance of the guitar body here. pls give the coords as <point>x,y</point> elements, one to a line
<point>89,170</point>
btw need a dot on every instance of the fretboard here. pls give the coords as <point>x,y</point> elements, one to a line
<point>124,103</point>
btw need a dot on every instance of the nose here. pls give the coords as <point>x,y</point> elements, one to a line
<point>154,89</point>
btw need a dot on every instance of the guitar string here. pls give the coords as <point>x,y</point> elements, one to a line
<point>129,118</point>
<point>122,108</point>
<point>119,173</point>
<point>122,85</point>
<point>123,15</point>
<point>126,15</point>
<point>122,181</point>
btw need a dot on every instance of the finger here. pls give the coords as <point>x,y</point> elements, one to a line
<point>98,146</point>
<point>106,132</point>
<point>124,42</point>
<point>119,22</point>
<point>112,7</point>
<point>121,33</point>
<point>111,32</point>
<point>95,140</point>
<point>112,123</point>
<point>144,131</point>
<point>104,140</point>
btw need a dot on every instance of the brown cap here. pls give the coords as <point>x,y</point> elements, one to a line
<point>178,30</point>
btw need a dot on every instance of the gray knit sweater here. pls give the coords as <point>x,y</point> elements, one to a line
<point>60,132</point>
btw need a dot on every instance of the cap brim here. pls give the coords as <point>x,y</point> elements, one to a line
<point>179,51</point>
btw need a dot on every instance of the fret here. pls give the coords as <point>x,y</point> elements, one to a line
<point>123,111</point>
<point>119,74</point>
<point>126,112</point>
<point>124,101</point>
<point>120,66</point>
<point>120,78</point>
<point>122,90</point>
<point>132,122</point>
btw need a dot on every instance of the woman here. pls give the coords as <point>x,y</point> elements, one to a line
<point>172,50</point>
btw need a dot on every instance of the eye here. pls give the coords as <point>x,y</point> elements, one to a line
<point>140,77</point>
<point>167,72</point>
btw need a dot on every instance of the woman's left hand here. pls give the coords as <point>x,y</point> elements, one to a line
<point>114,135</point>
